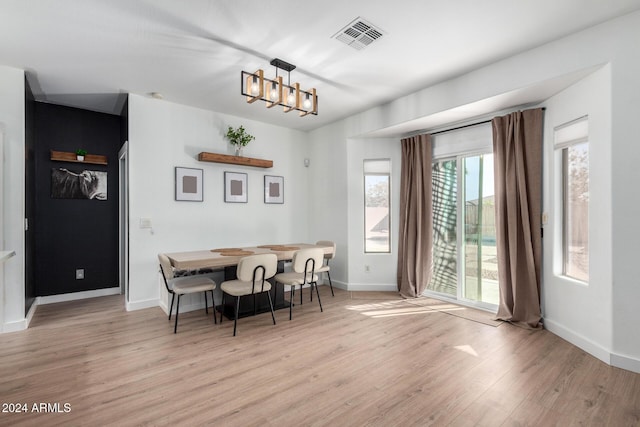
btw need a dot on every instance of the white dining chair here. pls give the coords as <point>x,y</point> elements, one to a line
<point>304,265</point>
<point>182,286</point>
<point>324,268</point>
<point>252,274</point>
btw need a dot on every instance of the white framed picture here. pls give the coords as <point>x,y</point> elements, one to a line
<point>188,184</point>
<point>235,187</point>
<point>273,189</point>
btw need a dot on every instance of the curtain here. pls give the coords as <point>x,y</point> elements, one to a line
<point>416,233</point>
<point>517,150</point>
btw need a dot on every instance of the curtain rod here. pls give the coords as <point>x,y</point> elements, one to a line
<point>461,127</point>
<point>467,125</point>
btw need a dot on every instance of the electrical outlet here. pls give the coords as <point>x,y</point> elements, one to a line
<point>79,273</point>
<point>367,269</point>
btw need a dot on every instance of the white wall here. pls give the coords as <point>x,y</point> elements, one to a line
<point>382,267</point>
<point>163,135</point>
<point>12,125</point>
<point>614,43</point>
<point>587,319</point>
<point>328,184</point>
<point>626,205</point>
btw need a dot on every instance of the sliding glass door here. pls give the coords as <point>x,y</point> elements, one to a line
<point>480,280</point>
<point>464,247</point>
<point>445,242</point>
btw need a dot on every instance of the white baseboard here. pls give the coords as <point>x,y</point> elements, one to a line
<point>625,362</point>
<point>140,305</point>
<point>186,308</point>
<point>578,340</point>
<point>382,287</point>
<point>596,350</point>
<point>32,311</point>
<point>18,325</point>
<point>52,299</point>
<point>336,283</point>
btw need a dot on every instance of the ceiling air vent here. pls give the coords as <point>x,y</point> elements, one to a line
<point>358,34</point>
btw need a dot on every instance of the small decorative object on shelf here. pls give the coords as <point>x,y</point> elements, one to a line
<point>239,138</point>
<point>80,153</point>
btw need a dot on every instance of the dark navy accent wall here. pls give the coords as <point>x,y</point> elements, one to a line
<point>75,233</point>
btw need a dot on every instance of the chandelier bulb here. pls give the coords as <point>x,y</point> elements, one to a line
<point>307,102</point>
<point>274,91</point>
<point>291,99</point>
<point>255,87</point>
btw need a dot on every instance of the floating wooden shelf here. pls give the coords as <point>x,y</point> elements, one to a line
<point>234,160</point>
<point>62,156</point>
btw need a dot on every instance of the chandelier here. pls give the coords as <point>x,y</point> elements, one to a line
<point>274,92</point>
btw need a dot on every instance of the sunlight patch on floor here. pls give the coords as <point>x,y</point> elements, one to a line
<point>466,349</point>
<point>372,306</point>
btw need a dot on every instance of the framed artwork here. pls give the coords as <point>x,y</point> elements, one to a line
<point>273,189</point>
<point>235,187</point>
<point>188,184</point>
<point>66,184</point>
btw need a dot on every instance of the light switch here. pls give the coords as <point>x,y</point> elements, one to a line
<point>145,222</point>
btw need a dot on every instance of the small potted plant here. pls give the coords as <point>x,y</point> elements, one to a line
<point>80,153</point>
<point>239,138</point>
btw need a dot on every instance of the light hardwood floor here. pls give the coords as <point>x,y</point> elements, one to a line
<point>380,362</point>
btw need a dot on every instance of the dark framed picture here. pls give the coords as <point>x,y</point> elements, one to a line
<point>188,184</point>
<point>66,184</point>
<point>273,189</point>
<point>235,187</point>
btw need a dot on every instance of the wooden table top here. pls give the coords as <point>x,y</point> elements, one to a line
<point>226,257</point>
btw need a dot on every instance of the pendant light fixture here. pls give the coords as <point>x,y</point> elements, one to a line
<point>274,92</point>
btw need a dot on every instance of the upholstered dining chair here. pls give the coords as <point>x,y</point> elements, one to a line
<point>252,274</point>
<point>183,286</point>
<point>304,264</point>
<point>324,268</point>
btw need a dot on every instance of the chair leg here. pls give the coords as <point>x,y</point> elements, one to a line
<point>221,308</point>
<point>206,303</point>
<point>317,293</point>
<point>254,304</point>
<point>271,305</point>
<point>275,291</point>
<point>235,320</point>
<point>300,294</point>
<point>330,284</point>
<point>175,328</point>
<point>293,288</point>
<point>171,308</point>
<point>213,303</point>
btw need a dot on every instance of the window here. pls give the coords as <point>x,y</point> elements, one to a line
<point>572,141</point>
<point>377,201</point>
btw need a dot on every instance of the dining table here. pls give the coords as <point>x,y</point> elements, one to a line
<point>227,259</point>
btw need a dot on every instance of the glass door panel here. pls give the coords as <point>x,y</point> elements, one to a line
<point>445,248</point>
<point>480,266</point>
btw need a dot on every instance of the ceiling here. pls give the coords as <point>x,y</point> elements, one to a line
<point>89,53</point>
